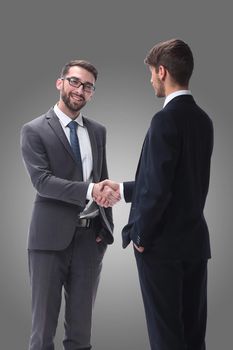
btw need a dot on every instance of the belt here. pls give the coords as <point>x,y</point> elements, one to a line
<point>86,223</point>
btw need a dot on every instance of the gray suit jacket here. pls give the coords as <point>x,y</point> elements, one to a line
<point>61,194</point>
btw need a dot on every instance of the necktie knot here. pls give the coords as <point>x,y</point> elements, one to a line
<point>73,125</point>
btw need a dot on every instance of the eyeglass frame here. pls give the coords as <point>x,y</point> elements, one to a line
<point>92,86</point>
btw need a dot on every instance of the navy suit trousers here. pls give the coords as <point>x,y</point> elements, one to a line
<point>175,301</point>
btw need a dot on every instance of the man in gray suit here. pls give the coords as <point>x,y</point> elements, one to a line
<point>64,153</point>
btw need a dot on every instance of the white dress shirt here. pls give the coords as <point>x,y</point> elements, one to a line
<point>85,148</point>
<point>175,94</point>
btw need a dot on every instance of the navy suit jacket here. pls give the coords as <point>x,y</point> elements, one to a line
<point>171,184</point>
<point>61,192</point>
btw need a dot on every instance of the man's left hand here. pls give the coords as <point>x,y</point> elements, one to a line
<point>139,249</point>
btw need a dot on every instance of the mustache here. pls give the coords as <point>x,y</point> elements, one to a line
<point>77,95</point>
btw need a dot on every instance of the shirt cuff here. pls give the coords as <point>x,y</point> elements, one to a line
<point>122,191</point>
<point>89,191</point>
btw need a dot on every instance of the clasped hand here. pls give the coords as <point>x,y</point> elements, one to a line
<point>106,193</point>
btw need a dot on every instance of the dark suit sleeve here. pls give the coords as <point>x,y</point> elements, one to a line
<point>38,166</point>
<point>128,190</point>
<point>155,176</point>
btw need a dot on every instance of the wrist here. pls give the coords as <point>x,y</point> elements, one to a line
<point>90,191</point>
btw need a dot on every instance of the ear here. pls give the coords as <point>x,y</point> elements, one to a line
<point>59,84</point>
<point>162,73</point>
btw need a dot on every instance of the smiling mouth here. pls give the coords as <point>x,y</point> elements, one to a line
<point>77,98</point>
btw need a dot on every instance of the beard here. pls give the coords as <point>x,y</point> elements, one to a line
<point>71,104</point>
<point>160,89</point>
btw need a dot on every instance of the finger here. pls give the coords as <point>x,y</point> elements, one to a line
<point>101,186</point>
<point>100,201</point>
<point>107,204</point>
<point>107,198</point>
<point>135,246</point>
<point>103,202</point>
<point>139,249</point>
<point>113,201</point>
<point>111,194</point>
<point>104,183</point>
<point>115,194</point>
<point>98,239</point>
<point>112,184</point>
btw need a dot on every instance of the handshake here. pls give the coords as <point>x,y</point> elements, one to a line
<point>106,193</point>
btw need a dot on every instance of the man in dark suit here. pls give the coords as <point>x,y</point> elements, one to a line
<point>64,153</point>
<point>166,222</point>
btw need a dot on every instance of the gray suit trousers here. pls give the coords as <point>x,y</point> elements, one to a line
<point>77,270</point>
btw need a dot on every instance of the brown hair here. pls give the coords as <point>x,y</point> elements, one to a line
<point>176,56</point>
<point>80,63</point>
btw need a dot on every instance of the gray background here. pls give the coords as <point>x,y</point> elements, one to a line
<point>37,38</point>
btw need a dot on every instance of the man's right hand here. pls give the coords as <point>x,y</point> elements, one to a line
<point>106,193</point>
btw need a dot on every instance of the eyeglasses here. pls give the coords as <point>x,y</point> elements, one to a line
<point>75,82</point>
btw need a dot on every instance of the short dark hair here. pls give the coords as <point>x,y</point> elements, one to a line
<point>176,56</point>
<point>80,63</point>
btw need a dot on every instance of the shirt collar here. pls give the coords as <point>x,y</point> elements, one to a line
<point>65,119</point>
<point>175,94</point>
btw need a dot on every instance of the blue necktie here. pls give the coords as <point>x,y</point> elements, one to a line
<point>75,143</point>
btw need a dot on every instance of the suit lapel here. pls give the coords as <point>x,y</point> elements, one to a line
<point>93,146</point>
<point>57,128</point>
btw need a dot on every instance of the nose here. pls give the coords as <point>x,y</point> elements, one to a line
<point>80,88</point>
